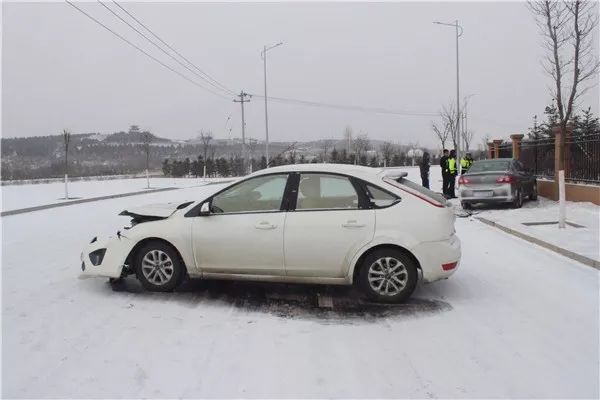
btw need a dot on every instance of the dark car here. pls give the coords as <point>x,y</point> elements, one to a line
<point>501,180</point>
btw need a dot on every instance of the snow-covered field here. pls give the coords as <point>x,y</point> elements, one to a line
<point>514,321</point>
<point>30,195</point>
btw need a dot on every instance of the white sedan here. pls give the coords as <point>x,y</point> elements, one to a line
<point>307,223</point>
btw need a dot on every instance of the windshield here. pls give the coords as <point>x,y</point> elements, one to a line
<point>490,166</point>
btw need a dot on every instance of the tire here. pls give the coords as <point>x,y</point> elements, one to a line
<point>534,192</point>
<point>466,205</point>
<point>518,201</point>
<point>379,263</point>
<point>158,267</point>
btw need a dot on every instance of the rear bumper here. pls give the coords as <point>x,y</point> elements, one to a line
<point>433,255</point>
<point>499,194</point>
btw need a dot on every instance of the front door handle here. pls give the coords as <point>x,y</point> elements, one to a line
<point>265,225</point>
<point>353,224</point>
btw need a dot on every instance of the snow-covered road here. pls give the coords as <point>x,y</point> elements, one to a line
<point>515,321</point>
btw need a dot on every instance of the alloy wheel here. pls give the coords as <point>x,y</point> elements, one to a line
<point>157,267</point>
<point>387,276</point>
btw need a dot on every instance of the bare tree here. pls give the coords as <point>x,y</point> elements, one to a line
<point>326,144</point>
<point>348,137</point>
<point>450,123</point>
<point>484,144</point>
<point>251,144</point>
<point>387,151</point>
<point>441,131</point>
<point>467,136</point>
<point>360,145</point>
<point>67,140</point>
<point>414,147</point>
<point>567,29</point>
<point>146,140</point>
<point>205,139</point>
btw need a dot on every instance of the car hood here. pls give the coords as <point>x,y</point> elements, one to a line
<point>158,211</point>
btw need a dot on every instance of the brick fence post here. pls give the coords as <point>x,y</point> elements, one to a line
<point>490,150</point>
<point>497,143</point>
<point>516,145</point>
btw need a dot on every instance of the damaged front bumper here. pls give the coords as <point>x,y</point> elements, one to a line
<point>105,257</point>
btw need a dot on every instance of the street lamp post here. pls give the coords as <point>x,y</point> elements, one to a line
<point>465,117</point>
<point>458,115</point>
<point>264,57</point>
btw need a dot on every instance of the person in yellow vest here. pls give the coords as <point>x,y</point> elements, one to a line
<point>452,172</point>
<point>465,163</point>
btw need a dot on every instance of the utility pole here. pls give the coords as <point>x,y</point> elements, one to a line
<point>243,100</point>
<point>459,32</point>
<point>264,57</point>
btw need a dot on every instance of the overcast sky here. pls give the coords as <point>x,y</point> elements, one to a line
<point>62,70</point>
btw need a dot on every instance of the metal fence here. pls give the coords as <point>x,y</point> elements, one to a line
<point>582,161</point>
<point>505,150</point>
<point>538,155</point>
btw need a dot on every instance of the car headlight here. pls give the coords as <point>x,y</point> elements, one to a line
<point>97,256</point>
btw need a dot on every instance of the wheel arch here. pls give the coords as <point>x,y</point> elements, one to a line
<point>357,265</point>
<point>134,250</point>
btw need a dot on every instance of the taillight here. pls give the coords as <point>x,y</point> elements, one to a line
<point>449,266</point>
<point>463,181</point>
<point>505,179</point>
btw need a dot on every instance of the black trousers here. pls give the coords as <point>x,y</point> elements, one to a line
<point>425,180</point>
<point>451,183</point>
<point>445,181</point>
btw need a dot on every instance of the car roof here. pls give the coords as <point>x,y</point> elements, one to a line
<point>368,173</point>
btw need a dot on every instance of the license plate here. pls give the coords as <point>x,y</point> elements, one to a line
<point>483,193</point>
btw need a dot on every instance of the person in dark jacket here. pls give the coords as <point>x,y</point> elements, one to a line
<point>424,167</point>
<point>445,172</point>
<point>452,173</point>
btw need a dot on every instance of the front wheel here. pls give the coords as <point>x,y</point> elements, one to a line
<point>388,275</point>
<point>158,267</point>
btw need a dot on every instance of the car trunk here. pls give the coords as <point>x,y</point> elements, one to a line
<point>488,178</point>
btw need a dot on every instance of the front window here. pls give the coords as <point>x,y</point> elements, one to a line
<point>323,191</point>
<point>263,193</point>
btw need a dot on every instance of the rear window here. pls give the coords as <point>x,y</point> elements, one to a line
<point>418,190</point>
<point>490,165</point>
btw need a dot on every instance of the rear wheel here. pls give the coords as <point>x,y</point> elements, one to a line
<point>388,275</point>
<point>466,205</point>
<point>518,201</point>
<point>534,192</point>
<point>158,267</point>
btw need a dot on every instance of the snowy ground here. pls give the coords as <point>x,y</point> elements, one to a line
<point>584,240</point>
<point>514,321</point>
<point>29,195</point>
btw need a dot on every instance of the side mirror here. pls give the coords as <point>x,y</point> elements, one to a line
<point>204,209</point>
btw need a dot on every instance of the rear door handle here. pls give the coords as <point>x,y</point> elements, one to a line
<point>265,225</point>
<point>353,224</point>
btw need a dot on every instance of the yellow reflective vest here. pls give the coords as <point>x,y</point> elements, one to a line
<point>465,164</point>
<point>452,165</point>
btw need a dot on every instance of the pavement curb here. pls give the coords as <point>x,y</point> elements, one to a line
<point>80,201</point>
<point>564,252</point>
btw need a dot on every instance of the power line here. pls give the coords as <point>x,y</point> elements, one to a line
<point>214,81</point>
<point>159,47</point>
<point>144,52</point>
<point>376,110</point>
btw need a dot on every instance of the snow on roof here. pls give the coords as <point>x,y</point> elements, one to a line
<point>367,173</point>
